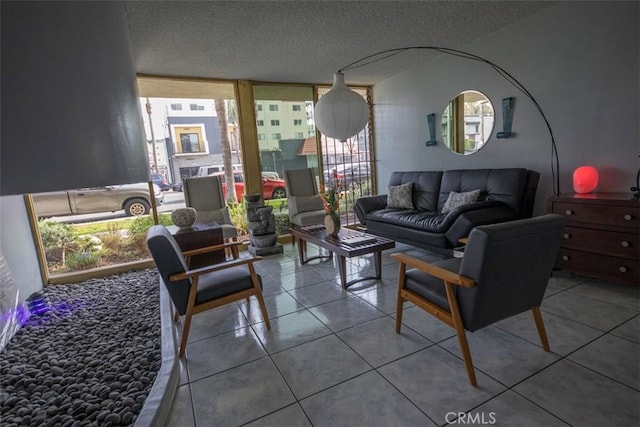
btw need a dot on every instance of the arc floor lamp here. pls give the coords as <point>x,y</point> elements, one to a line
<point>342,113</point>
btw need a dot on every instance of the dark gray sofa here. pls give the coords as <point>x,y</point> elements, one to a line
<point>505,195</point>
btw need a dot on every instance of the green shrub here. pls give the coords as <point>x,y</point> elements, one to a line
<point>56,238</point>
<point>81,260</point>
<point>238,214</point>
<point>141,224</point>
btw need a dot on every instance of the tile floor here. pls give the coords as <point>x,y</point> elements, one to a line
<point>332,357</point>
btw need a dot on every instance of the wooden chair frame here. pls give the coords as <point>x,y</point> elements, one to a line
<point>194,276</point>
<point>452,317</point>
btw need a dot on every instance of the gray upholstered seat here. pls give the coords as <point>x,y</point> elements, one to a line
<point>194,291</point>
<point>205,195</point>
<point>504,271</point>
<point>305,204</point>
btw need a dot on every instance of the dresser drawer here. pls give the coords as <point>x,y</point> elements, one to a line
<point>601,266</point>
<point>624,245</point>
<point>621,216</point>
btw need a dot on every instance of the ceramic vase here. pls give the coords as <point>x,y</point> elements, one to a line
<point>332,223</point>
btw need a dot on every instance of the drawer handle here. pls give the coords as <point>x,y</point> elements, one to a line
<point>625,244</point>
<point>565,257</point>
<point>623,269</point>
<point>566,235</point>
<point>627,217</point>
<point>568,212</point>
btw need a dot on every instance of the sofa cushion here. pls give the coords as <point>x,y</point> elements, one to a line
<point>503,185</point>
<point>434,222</point>
<point>426,187</point>
<point>400,196</point>
<point>459,199</point>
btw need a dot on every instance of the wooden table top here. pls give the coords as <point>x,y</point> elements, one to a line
<point>317,234</point>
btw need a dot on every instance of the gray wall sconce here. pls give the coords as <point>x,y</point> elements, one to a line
<point>431,122</point>
<point>507,118</point>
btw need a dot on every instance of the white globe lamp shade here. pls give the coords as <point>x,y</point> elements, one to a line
<point>341,113</point>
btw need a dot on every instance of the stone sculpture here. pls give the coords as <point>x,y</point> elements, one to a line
<point>263,238</point>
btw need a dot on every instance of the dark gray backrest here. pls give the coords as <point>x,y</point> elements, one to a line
<point>169,260</point>
<point>426,187</point>
<point>529,196</point>
<point>300,182</point>
<point>503,185</point>
<point>204,193</point>
<point>511,263</point>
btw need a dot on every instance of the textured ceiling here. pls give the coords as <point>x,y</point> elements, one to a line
<point>304,41</point>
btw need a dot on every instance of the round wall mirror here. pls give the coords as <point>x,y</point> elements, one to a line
<point>467,122</point>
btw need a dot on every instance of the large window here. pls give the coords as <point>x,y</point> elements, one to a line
<point>189,139</point>
<point>86,228</point>
<point>191,125</point>
<point>295,145</point>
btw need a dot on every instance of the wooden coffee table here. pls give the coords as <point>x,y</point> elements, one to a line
<point>348,244</point>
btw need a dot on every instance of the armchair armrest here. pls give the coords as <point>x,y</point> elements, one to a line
<point>364,205</point>
<point>434,270</point>
<point>475,214</point>
<point>215,267</point>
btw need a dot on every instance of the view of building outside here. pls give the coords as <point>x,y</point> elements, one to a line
<point>187,135</point>
<point>285,127</point>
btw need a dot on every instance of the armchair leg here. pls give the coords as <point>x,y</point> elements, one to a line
<point>263,309</point>
<point>462,337</point>
<point>259,297</point>
<point>537,316</point>
<point>399,308</point>
<point>399,299</point>
<point>187,316</point>
<point>185,332</point>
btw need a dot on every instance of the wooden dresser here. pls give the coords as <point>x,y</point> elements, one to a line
<point>602,235</point>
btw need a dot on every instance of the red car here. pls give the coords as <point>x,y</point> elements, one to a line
<point>272,188</point>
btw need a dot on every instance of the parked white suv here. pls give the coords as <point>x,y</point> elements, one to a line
<point>211,169</point>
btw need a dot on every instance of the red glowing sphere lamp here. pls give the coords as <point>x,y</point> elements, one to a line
<point>585,179</point>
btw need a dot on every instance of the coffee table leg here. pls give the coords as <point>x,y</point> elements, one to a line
<point>342,266</point>
<point>301,250</point>
<point>377,259</point>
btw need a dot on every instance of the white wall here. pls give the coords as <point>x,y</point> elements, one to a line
<point>578,59</point>
<point>17,245</point>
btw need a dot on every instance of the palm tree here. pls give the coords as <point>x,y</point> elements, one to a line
<point>221,112</point>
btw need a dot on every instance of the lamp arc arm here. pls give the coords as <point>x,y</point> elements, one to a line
<point>384,54</point>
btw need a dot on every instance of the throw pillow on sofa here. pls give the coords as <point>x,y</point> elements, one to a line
<point>400,196</point>
<point>459,199</point>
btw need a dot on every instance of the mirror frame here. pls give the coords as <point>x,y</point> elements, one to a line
<point>455,141</point>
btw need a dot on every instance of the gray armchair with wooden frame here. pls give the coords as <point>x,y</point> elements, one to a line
<point>204,288</point>
<point>205,195</point>
<point>504,271</point>
<point>303,198</point>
